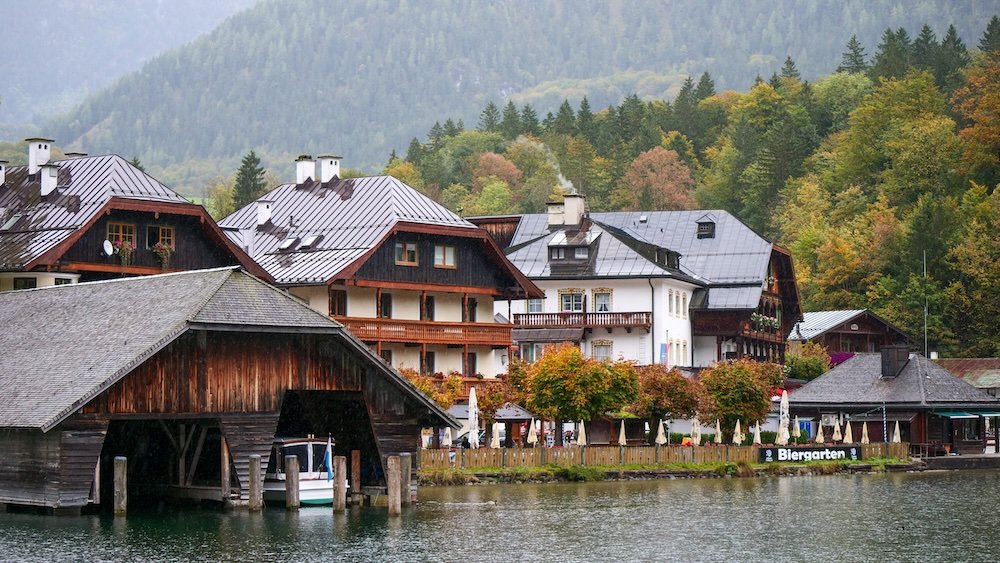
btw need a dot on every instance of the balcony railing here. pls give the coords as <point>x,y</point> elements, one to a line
<point>428,332</point>
<point>643,319</point>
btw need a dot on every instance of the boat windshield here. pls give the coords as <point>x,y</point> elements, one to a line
<point>319,453</point>
<point>300,451</point>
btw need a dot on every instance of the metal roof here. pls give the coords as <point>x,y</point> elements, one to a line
<point>84,187</point>
<point>64,345</point>
<point>508,412</point>
<point>817,322</point>
<point>353,215</point>
<point>983,373</point>
<point>858,381</point>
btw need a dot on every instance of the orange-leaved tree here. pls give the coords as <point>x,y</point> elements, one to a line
<point>444,392</point>
<point>666,393</point>
<point>740,390</point>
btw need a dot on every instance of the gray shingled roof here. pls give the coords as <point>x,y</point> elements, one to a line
<point>736,256</point>
<point>85,185</point>
<point>982,373</point>
<point>352,216</point>
<point>61,346</point>
<point>858,382</point>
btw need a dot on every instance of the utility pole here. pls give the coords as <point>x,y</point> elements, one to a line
<point>926,352</point>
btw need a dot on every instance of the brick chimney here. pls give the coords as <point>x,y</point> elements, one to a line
<point>49,178</point>
<point>329,167</point>
<point>894,359</point>
<point>39,152</point>
<point>305,168</point>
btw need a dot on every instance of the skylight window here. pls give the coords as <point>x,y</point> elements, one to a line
<point>310,241</point>
<point>11,222</point>
<point>288,243</point>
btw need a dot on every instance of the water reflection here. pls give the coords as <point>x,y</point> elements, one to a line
<point>845,517</point>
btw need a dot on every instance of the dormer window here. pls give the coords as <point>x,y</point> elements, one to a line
<point>557,253</point>
<point>706,229</point>
<point>581,253</point>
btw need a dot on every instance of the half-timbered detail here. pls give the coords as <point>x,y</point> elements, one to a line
<point>92,218</point>
<point>846,332</point>
<point>186,375</point>
<point>936,411</point>
<point>682,288</point>
<point>402,273</point>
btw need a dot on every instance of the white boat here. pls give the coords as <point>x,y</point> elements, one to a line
<point>315,482</point>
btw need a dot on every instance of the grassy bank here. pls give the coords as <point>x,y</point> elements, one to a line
<point>571,473</point>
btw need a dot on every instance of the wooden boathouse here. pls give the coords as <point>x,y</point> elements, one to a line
<point>187,375</point>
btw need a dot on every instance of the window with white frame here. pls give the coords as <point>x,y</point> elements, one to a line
<point>670,353</point>
<point>677,304</point>
<point>684,305</point>
<point>571,301</point>
<point>670,302</point>
<point>602,350</point>
<point>531,352</point>
<point>684,352</point>
<point>535,305</point>
<point>602,300</point>
<point>581,252</point>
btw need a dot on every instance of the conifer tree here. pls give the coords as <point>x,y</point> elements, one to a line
<point>894,55</point>
<point>774,81</point>
<point>529,120</point>
<point>137,163</point>
<point>489,119</point>
<point>450,129</point>
<point>705,88</point>
<point>415,151</point>
<point>564,121</point>
<point>435,134</point>
<point>952,57</point>
<point>925,49</point>
<point>585,120</point>
<point>853,60</point>
<point>990,41</point>
<point>250,183</point>
<point>789,70</point>
<point>510,124</point>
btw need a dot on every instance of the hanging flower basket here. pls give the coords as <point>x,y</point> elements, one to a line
<point>124,249</point>
<point>162,253</point>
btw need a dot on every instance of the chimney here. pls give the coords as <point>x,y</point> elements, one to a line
<point>894,359</point>
<point>74,155</point>
<point>574,208</point>
<point>305,168</point>
<point>557,213</point>
<point>263,211</point>
<point>3,172</point>
<point>39,152</point>
<point>49,178</point>
<point>329,166</point>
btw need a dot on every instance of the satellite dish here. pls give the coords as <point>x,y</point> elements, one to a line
<point>108,248</point>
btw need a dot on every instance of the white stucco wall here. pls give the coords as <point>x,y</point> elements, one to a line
<point>42,279</point>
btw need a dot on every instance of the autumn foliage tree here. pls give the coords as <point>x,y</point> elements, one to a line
<point>666,393</point>
<point>740,390</point>
<point>564,385</point>
<point>657,180</point>
<point>444,392</point>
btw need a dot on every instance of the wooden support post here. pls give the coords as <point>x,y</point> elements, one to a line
<point>405,469</point>
<point>224,475</point>
<point>340,484</point>
<point>95,490</point>
<point>121,485</point>
<point>355,473</point>
<point>392,482</point>
<point>291,482</point>
<point>256,484</point>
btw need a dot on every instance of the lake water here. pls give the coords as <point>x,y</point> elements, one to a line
<point>924,516</point>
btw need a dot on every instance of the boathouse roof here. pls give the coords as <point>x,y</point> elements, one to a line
<point>62,346</point>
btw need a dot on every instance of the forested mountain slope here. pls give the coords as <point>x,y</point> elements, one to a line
<point>360,78</point>
<point>55,52</point>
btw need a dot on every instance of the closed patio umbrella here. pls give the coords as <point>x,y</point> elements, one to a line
<point>782,438</point>
<point>718,432</point>
<point>446,440</point>
<point>532,433</point>
<point>796,430</point>
<point>695,432</point>
<point>581,439</point>
<point>661,435</point>
<point>495,438</point>
<point>864,433</point>
<point>836,431</point>
<point>737,435</point>
<point>621,435</point>
<point>473,419</point>
<point>756,434</point>
<point>848,436</point>
<point>895,434</point>
<point>819,434</point>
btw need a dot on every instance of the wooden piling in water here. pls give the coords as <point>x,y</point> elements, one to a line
<point>340,484</point>
<point>256,484</point>
<point>121,485</point>
<point>405,472</point>
<point>291,482</point>
<point>392,484</point>
<point>356,476</point>
<point>224,476</point>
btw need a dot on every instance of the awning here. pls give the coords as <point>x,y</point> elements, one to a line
<point>986,413</point>
<point>890,416</point>
<point>955,414</point>
<point>525,335</point>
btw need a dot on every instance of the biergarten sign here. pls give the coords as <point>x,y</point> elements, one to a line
<point>818,453</point>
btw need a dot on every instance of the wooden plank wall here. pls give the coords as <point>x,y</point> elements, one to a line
<point>79,453</point>
<point>396,421</point>
<point>28,465</point>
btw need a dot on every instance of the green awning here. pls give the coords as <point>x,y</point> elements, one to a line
<point>955,414</point>
<point>986,413</point>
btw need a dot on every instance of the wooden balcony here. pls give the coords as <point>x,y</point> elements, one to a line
<point>428,332</point>
<point>628,321</point>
